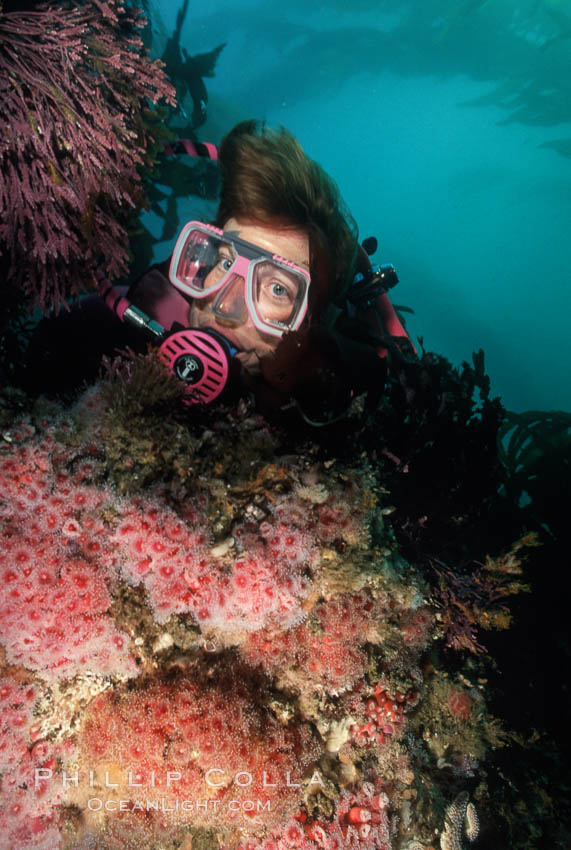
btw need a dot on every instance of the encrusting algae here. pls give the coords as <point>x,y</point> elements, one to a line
<point>232,656</point>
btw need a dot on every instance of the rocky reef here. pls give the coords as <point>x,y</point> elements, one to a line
<point>210,639</point>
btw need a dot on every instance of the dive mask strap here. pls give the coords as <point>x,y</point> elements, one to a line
<point>198,149</point>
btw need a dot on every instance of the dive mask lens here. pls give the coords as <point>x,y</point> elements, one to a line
<point>201,259</point>
<point>279,296</point>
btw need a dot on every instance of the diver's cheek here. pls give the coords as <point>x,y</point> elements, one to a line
<point>253,341</point>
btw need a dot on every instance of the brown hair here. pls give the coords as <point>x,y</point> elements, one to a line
<point>266,176</point>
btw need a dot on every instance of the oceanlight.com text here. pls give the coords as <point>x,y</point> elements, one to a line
<point>96,804</point>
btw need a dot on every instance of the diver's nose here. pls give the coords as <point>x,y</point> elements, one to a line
<point>229,306</point>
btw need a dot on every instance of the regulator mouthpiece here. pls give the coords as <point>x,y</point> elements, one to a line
<point>201,359</point>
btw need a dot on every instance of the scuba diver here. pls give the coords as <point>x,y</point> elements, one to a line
<point>275,299</point>
<point>187,72</point>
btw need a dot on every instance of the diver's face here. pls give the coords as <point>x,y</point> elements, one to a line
<point>235,323</point>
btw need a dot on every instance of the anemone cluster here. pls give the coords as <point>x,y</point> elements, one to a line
<point>225,660</point>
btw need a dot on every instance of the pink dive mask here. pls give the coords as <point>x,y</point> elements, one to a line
<point>244,278</point>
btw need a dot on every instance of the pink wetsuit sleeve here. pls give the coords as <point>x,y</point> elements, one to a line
<point>389,321</point>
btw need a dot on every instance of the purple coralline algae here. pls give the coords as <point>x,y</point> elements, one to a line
<point>75,86</point>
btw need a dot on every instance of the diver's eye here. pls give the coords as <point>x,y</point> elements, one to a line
<point>279,290</point>
<point>225,263</point>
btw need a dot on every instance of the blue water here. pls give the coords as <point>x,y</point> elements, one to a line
<point>470,208</point>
